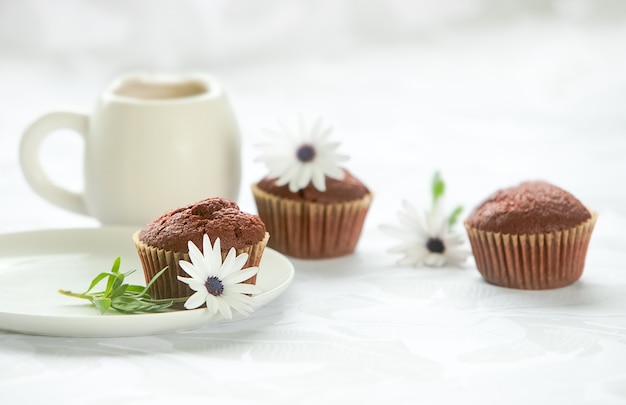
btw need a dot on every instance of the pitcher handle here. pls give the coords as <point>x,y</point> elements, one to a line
<point>36,177</point>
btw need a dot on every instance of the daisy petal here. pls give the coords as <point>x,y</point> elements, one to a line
<point>243,288</point>
<point>227,265</point>
<point>399,233</point>
<point>215,259</point>
<point>275,170</point>
<point>231,297</point>
<point>194,284</point>
<point>304,178</point>
<point>196,257</point>
<point>191,270</point>
<point>224,309</point>
<point>289,175</point>
<point>335,172</point>
<point>196,300</point>
<point>238,264</point>
<point>241,307</point>
<point>241,276</point>
<point>319,180</point>
<point>212,303</point>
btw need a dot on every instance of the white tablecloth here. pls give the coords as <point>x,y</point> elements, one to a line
<point>488,110</point>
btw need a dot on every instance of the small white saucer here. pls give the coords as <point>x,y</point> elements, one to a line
<point>35,265</point>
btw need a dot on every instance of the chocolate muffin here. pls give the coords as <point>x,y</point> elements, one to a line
<point>531,236</point>
<point>164,241</point>
<point>314,224</point>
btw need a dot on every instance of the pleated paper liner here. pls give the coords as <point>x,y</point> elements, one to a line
<point>167,285</point>
<point>309,230</point>
<point>533,261</point>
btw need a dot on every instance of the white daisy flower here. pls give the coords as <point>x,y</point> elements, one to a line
<point>218,284</point>
<point>301,157</point>
<point>426,239</point>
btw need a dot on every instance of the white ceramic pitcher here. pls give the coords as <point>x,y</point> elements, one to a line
<point>152,143</point>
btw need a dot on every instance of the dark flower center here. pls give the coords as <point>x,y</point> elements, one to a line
<point>435,245</point>
<point>305,153</point>
<point>214,286</point>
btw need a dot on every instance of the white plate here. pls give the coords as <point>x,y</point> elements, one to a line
<point>35,265</point>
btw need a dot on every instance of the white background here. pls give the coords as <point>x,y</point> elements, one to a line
<point>488,92</point>
<point>498,90</point>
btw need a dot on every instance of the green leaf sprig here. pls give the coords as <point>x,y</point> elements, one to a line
<point>438,190</point>
<point>123,297</point>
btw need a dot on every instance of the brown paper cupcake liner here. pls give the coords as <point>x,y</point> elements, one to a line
<point>167,285</point>
<point>534,261</point>
<point>310,230</point>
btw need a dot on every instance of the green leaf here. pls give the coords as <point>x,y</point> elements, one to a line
<point>125,298</point>
<point>438,186</point>
<point>454,216</point>
<point>160,307</point>
<point>116,284</point>
<point>135,305</point>
<point>115,272</point>
<point>156,276</point>
<point>116,265</point>
<point>138,289</point>
<point>128,304</point>
<point>118,291</point>
<point>103,304</point>
<point>128,273</point>
<point>96,280</point>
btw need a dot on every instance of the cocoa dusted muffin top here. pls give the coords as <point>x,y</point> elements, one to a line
<point>217,217</point>
<point>529,208</point>
<point>337,191</point>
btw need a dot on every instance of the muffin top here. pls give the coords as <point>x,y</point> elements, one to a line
<point>217,217</point>
<point>337,191</point>
<point>529,208</point>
